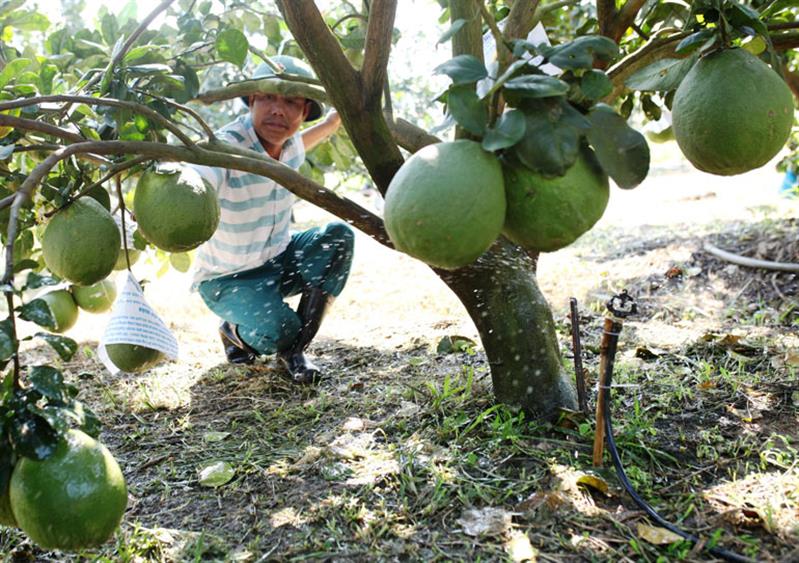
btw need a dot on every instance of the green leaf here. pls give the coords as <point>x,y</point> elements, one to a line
<point>621,150</point>
<point>87,420</point>
<point>181,261</point>
<point>595,84</point>
<point>33,437</point>
<point>651,109</point>
<point>25,264</point>
<point>12,70</point>
<point>662,75</point>
<point>48,381</point>
<point>463,69</point>
<point>216,474</point>
<point>109,28</point>
<point>695,40</point>
<point>35,281</point>
<point>7,346</point>
<point>580,53</point>
<point>508,131</point>
<point>551,140</point>
<point>468,110</point>
<point>454,28</point>
<point>149,69</point>
<point>536,86</point>
<point>46,75</point>
<point>64,346</point>
<point>739,15</point>
<point>37,311</point>
<point>232,46</point>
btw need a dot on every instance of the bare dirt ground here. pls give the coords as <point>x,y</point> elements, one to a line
<point>400,453</point>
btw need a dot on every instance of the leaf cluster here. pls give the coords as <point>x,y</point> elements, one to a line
<point>552,94</point>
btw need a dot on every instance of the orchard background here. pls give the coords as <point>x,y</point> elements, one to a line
<point>402,451</point>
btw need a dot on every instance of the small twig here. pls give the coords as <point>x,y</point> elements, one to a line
<point>347,17</point>
<point>111,173</point>
<point>186,109</point>
<point>15,342</point>
<point>750,262</point>
<point>142,27</point>
<point>269,62</point>
<point>579,375</point>
<point>495,31</point>
<point>122,210</point>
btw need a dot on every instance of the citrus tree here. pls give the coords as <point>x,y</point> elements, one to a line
<point>537,132</point>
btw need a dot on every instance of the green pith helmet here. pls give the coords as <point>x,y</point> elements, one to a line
<point>291,65</point>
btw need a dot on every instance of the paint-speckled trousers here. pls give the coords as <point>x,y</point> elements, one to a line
<point>254,300</point>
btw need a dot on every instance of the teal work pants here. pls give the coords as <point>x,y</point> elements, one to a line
<point>254,300</point>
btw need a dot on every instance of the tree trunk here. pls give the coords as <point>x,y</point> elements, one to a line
<point>516,328</point>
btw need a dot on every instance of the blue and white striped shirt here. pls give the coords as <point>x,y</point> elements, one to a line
<point>255,211</point>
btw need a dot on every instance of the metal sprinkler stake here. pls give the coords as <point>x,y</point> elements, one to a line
<point>619,306</point>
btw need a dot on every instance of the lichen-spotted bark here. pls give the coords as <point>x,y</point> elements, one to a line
<point>516,328</point>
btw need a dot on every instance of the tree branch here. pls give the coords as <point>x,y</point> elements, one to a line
<point>785,41</point>
<point>468,40</point>
<point>378,45</point>
<point>648,53</point>
<point>111,102</point>
<point>362,116</point>
<point>105,76</point>
<point>24,124</point>
<point>409,136</point>
<point>521,19</point>
<point>220,155</point>
<point>625,18</point>
<point>792,78</point>
<point>606,14</point>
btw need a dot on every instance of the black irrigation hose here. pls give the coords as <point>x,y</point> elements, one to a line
<point>614,454</point>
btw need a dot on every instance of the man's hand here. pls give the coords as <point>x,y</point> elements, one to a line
<point>320,132</point>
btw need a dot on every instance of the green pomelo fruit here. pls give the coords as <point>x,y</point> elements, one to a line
<point>545,214</point>
<point>122,264</point>
<point>101,196</point>
<point>81,243</point>
<point>72,500</point>
<point>63,308</point>
<point>95,298</point>
<point>132,357</point>
<point>446,204</point>
<point>176,210</point>
<point>731,113</point>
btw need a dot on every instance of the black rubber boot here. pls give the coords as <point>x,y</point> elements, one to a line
<point>236,350</point>
<point>314,303</point>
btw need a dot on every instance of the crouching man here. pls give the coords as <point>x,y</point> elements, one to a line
<point>253,262</point>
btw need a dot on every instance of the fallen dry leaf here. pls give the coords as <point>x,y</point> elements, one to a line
<point>487,521</point>
<point>657,535</point>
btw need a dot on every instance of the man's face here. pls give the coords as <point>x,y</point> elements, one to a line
<point>276,118</point>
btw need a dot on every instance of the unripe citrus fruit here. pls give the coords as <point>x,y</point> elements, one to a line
<point>132,357</point>
<point>63,308</point>
<point>95,298</point>
<point>545,214</point>
<point>176,210</point>
<point>446,204</point>
<point>81,243</point>
<point>72,500</point>
<point>122,264</point>
<point>732,113</point>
